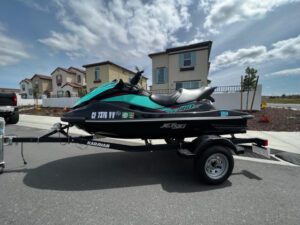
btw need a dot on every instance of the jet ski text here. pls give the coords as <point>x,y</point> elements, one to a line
<point>103,115</point>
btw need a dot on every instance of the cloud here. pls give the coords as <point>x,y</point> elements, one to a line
<point>287,72</point>
<point>220,13</point>
<point>34,5</point>
<point>11,50</point>
<point>117,29</point>
<point>285,49</point>
<point>198,37</point>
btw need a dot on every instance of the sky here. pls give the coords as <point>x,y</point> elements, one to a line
<point>36,36</point>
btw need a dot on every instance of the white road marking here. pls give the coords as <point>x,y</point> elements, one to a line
<point>267,161</point>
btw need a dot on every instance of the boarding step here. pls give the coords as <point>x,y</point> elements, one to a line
<point>184,152</point>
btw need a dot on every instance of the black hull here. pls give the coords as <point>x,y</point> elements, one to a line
<point>107,120</point>
<point>149,129</point>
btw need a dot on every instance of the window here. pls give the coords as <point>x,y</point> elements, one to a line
<point>59,80</point>
<point>36,85</point>
<point>78,79</point>
<point>97,73</point>
<point>161,75</point>
<point>60,94</point>
<point>187,85</point>
<point>23,87</point>
<point>30,91</point>
<point>187,61</point>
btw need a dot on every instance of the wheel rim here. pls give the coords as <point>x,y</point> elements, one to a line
<point>216,166</point>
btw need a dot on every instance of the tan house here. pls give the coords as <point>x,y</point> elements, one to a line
<point>67,82</point>
<point>41,85</point>
<point>102,72</point>
<point>180,67</point>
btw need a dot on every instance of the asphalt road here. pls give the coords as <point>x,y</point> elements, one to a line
<point>69,185</point>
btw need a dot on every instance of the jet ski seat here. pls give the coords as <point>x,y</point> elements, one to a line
<point>182,96</point>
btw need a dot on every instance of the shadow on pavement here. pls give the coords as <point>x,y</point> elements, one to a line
<point>117,170</point>
<point>248,174</point>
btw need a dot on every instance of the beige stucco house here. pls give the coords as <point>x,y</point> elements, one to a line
<point>102,72</point>
<point>67,82</point>
<point>26,89</point>
<point>41,85</point>
<point>180,67</point>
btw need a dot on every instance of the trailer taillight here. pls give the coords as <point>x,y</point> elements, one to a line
<point>14,100</point>
<point>266,143</point>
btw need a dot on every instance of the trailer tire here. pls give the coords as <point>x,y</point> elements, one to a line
<point>14,118</point>
<point>1,169</point>
<point>214,165</point>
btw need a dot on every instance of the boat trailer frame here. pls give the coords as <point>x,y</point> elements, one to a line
<point>184,149</point>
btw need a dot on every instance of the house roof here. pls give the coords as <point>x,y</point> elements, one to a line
<point>110,63</point>
<point>205,45</point>
<point>25,80</point>
<point>44,77</point>
<point>75,85</point>
<point>63,69</point>
<point>75,68</point>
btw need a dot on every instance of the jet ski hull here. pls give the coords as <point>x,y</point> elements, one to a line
<point>119,121</point>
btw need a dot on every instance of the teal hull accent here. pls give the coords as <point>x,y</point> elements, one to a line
<point>95,92</point>
<point>138,100</point>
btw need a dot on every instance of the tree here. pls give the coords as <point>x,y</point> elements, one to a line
<point>82,91</point>
<point>249,81</point>
<point>36,94</point>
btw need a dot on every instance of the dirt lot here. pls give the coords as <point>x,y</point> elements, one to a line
<point>43,111</point>
<point>279,119</point>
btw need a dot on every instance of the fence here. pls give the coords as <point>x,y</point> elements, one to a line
<point>59,102</point>
<point>232,100</point>
<point>226,97</point>
<point>229,97</point>
<point>26,102</point>
<point>219,89</point>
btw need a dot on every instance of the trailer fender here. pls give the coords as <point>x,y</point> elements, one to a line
<point>204,142</point>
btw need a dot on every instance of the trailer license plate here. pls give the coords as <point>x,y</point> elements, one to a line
<point>261,151</point>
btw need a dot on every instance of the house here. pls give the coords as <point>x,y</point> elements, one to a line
<point>181,67</point>
<point>41,85</point>
<point>26,89</point>
<point>102,72</point>
<point>68,82</point>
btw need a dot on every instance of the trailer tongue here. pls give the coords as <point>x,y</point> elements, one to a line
<point>212,154</point>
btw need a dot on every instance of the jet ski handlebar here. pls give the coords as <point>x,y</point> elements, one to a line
<point>135,80</point>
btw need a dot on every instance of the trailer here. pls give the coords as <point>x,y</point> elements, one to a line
<point>212,154</point>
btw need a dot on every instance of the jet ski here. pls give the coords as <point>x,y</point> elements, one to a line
<point>124,110</point>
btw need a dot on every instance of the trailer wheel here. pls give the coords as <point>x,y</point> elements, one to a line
<point>1,169</point>
<point>214,165</point>
<point>174,141</point>
<point>14,118</point>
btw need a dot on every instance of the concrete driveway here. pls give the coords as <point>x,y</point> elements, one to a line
<point>71,184</point>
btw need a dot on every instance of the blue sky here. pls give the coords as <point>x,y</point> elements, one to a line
<point>37,36</point>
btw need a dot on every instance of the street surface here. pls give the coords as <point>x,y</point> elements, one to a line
<point>73,184</point>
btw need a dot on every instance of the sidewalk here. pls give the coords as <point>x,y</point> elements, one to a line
<point>285,141</point>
